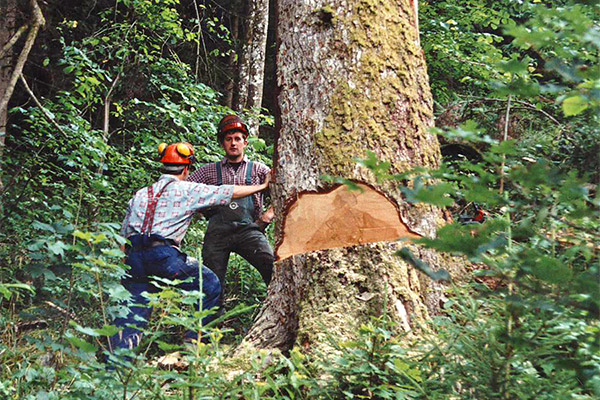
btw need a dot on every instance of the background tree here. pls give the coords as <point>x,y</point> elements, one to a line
<point>11,61</point>
<point>243,90</point>
<point>253,56</point>
<point>8,19</point>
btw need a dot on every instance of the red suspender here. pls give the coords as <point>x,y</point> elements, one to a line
<point>151,209</point>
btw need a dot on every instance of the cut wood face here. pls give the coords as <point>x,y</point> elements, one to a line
<point>340,218</point>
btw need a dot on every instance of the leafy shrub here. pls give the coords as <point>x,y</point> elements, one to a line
<point>532,323</point>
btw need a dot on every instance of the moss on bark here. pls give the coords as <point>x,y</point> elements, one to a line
<point>383,102</point>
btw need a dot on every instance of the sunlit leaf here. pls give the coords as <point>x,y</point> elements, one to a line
<point>574,105</point>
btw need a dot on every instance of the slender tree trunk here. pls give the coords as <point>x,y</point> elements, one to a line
<point>232,61</point>
<point>36,22</point>
<point>252,60</point>
<point>11,64</point>
<point>8,31</point>
<point>351,78</point>
<point>8,21</point>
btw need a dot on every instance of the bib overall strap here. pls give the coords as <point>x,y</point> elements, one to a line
<point>151,208</point>
<point>249,173</point>
<point>219,173</point>
<point>248,183</point>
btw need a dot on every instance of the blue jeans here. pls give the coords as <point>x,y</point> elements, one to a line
<point>165,262</point>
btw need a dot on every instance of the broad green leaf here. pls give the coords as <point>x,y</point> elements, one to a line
<point>86,330</point>
<point>372,162</point>
<point>7,289</point>
<point>87,236</point>
<point>107,330</point>
<point>7,294</point>
<point>574,105</point>
<point>100,238</point>
<point>117,292</point>
<point>514,66</point>
<point>58,248</point>
<point>43,226</point>
<point>81,344</point>
<point>470,240</point>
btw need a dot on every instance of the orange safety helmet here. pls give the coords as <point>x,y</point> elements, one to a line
<point>178,153</point>
<point>231,123</point>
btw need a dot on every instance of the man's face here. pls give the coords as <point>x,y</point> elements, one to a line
<point>234,144</point>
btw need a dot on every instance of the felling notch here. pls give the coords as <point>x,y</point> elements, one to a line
<point>340,218</point>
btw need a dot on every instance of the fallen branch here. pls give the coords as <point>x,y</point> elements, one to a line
<point>31,325</point>
<point>41,107</point>
<point>529,106</point>
<point>68,314</point>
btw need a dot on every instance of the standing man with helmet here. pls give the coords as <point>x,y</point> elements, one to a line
<point>239,226</point>
<point>157,219</point>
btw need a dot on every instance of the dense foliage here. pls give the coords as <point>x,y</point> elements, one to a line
<point>481,54</point>
<point>518,83</point>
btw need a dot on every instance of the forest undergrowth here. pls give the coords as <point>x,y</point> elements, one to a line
<point>517,84</point>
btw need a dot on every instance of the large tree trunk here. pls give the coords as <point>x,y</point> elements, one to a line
<point>352,78</point>
<point>249,91</point>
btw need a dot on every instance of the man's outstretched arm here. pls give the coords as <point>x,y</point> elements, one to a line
<point>243,191</point>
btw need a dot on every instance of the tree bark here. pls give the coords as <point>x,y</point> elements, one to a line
<point>12,75</point>
<point>351,78</point>
<point>252,60</point>
<point>8,21</point>
<point>232,61</point>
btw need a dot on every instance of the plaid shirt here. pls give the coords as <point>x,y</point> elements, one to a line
<point>207,174</point>
<point>175,207</point>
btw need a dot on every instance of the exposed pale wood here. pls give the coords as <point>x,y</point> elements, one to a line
<point>340,218</point>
